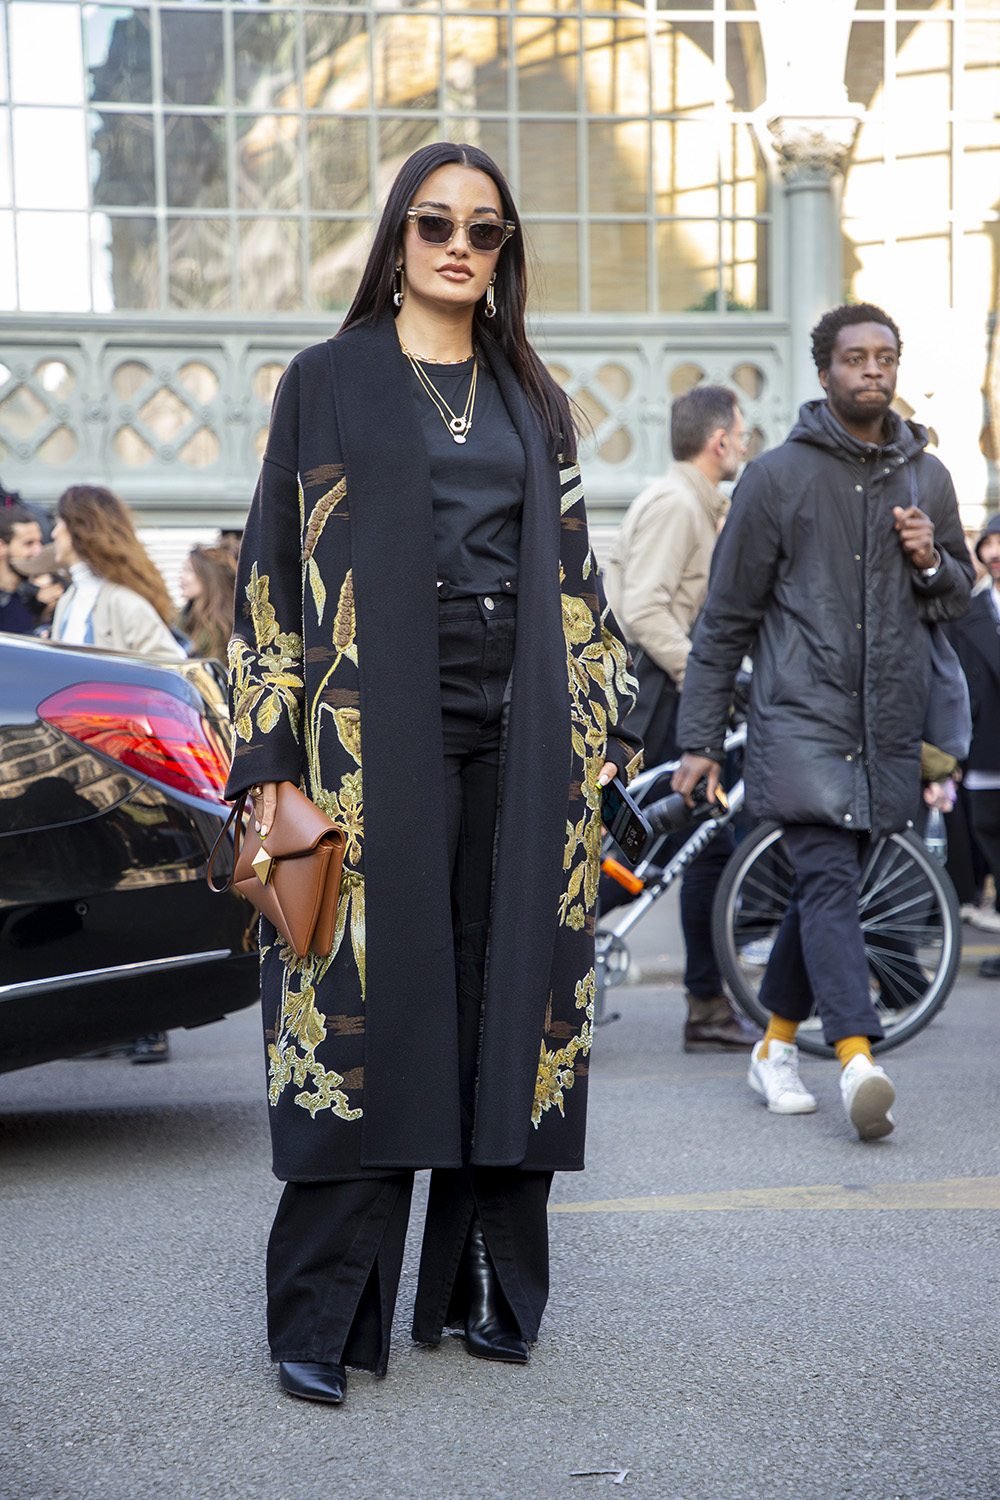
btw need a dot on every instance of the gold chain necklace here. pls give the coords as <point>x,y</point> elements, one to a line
<point>458,426</point>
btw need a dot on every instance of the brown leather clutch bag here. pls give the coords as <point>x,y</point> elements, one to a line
<point>293,877</point>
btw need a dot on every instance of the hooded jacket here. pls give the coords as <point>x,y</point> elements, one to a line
<point>809,577</point>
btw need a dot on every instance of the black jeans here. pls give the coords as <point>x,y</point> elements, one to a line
<point>819,953</point>
<point>336,1248</point>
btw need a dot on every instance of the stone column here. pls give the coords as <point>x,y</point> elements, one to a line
<point>812,152</point>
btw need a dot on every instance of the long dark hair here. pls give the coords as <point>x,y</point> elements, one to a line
<point>506,330</point>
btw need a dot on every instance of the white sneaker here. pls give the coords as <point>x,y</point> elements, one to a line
<point>986,918</point>
<point>776,1077</point>
<point>868,1096</point>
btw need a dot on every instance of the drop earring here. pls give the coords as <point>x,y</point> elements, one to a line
<point>398,294</point>
<point>490,310</point>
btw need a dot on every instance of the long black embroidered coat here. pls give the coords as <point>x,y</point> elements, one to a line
<point>335,685</point>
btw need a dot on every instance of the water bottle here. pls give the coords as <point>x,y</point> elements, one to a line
<point>935,835</point>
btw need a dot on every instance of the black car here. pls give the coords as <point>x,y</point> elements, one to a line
<point>112,769</point>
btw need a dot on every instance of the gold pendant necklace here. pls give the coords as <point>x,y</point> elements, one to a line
<point>458,426</point>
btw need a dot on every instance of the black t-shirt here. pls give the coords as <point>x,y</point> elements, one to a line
<point>477,486</point>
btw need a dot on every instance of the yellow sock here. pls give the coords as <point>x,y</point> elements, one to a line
<point>852,1046</point>
<point>779,1030</point>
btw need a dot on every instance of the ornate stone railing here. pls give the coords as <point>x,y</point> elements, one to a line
<point>172,413</point>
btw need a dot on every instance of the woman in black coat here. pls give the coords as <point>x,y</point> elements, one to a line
<point>422,643</point>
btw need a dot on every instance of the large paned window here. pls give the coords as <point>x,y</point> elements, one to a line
<point>225,158</point>
<point>922,196</point>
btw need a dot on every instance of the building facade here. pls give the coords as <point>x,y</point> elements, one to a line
<point>187,194</point>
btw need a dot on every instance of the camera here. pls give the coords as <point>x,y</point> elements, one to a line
<point>670,814</point>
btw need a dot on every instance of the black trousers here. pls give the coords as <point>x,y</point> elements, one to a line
<point>819,952</point>
<point>984,814</point>
<point>336,1248</point>
<point>654,718</point>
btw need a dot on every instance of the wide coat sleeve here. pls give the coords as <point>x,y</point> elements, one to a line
<point>744,568</point>
<point>266,654</point>
<point>946,595</point>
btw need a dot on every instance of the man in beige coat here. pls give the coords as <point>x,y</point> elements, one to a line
<point>657,579</point>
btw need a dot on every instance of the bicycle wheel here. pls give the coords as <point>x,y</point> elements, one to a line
<point>909,916</point>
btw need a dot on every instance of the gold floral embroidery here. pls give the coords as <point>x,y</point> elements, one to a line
<point>556,1070</point>
<point>268,679</point>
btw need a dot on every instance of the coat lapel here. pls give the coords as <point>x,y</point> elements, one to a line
<point>411,1033</point>
<point>532,823</point>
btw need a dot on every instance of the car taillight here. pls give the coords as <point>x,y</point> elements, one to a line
<point>145,728</point>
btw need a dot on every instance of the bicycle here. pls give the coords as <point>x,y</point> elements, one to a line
<point>906,904</point>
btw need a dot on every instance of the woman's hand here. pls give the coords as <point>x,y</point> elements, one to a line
<point>607,773</point>
<point>264,796</point>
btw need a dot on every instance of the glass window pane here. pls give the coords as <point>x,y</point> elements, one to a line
<point>117,51</point>
<point>618,268</point>
<point>746,77</point>
<point>5,183</point>
<point>684,4</point>
<point>548,51</point>
<point>195,149</point>
<point>475,63</point>
<point>865,266</point>
<point>685,168</point>
<point>683,68</point>
<point>744,265</point>
<point>406,62</point>
<point>270,265</point>
<point>490,136</point>
<point>981,81</point>
<point>398,139</point>
<point>865,71</point>
<point>548,166</point>
<point>923,66</point>
<point>338,165</point>
<point>8,271</point>
<point>338,251</point>
<point>3,67</point>
<point>192,57</point>
<point>264,62</point>
<point>46,53</point>
<point>865,187</point>
<point>744,173</point>
<point>553,267</point>
<point>53,262</point>
<point>337,71</point>
<point>687,267</point>
<point>921,182</point>
<point>618,167</point>
<point>615,63</point>
<point>199,264</point>
<point>50,158</point>
<point>121,157</point>
<point>126,263</point>
<point>268,162</point>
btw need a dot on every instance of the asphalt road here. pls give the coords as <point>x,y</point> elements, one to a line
<point>744,1307</point>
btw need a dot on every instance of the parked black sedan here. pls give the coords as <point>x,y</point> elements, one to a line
<point>111,776</point>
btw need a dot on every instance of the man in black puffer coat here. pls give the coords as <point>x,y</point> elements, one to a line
<point>839,545</point>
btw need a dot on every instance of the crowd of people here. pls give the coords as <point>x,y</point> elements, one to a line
<point>82,577</point>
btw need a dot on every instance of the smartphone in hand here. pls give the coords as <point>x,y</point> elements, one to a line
<point>623,820</point>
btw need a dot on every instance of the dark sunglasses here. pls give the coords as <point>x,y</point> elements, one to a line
<point>485,235</point>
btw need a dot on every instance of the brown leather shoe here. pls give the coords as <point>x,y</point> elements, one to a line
<point>715,1025</point>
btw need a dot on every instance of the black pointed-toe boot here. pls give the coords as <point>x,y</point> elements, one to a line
<point>313,1381</point>
<point>489,1333</point>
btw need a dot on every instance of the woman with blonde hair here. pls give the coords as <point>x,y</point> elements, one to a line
<point>208,582</point>
<point>117,599</point>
